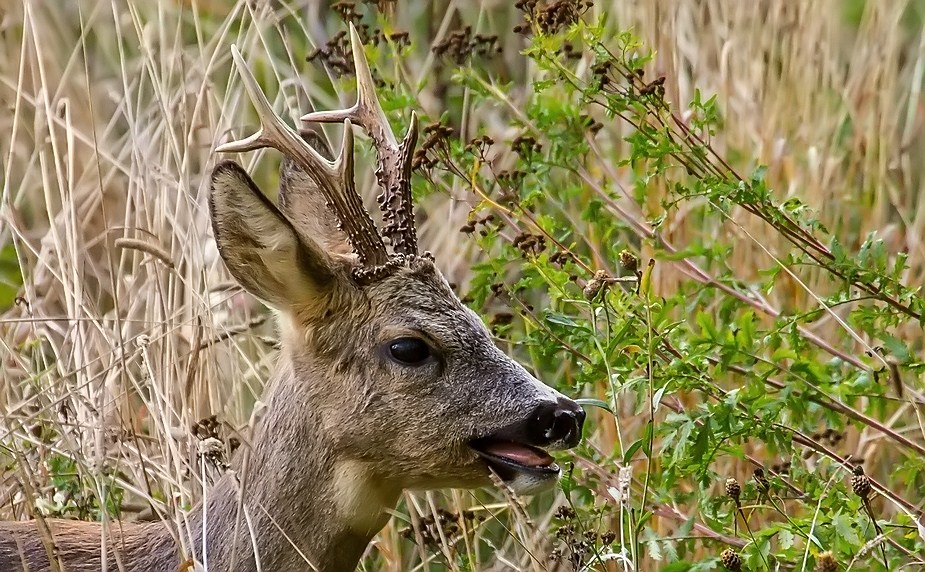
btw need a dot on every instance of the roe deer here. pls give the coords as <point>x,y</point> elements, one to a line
<point>385,380</point>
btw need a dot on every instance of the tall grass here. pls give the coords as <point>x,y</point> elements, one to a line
<point>121,331</point>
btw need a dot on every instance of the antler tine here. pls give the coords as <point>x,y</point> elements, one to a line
<point>394,170</point>
<point>334,179</point>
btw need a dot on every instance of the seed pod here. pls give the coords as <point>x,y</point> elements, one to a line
<point>860,483</point>
<point>733,490</point>
<point>731,560</point>
<point>595,285</point>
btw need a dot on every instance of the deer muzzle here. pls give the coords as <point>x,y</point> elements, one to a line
<point>518,454</point>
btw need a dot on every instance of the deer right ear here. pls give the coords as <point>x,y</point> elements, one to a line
<point>260,246</point>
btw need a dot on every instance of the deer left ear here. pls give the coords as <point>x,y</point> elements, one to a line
<point>261,247</point>
<point>305,205</point>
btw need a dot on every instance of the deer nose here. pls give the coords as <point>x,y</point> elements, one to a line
<point>560,422</point>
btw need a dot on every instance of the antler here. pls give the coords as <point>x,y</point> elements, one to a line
<point>394,170</point>
<point>335,179</point>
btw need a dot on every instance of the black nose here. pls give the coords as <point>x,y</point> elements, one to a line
<point>558,422</point>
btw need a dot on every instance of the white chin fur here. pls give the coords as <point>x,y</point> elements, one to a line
<point>527,484</point>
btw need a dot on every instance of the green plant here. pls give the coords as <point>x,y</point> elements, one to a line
<point>716,371</point>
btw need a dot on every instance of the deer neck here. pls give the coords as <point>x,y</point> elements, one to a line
<point>304,500</point>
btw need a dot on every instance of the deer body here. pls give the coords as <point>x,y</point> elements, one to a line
<point>385,381</point>
<point>329,509</point>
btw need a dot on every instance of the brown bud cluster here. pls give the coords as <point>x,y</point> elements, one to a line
<point>560,14</point>
<point>479,145</point>
<point>436,139</point>
<point>347,11</point>
<point>527,6</point>
<point>337,54</point>
<point>830,436</point>
<point>400,39</point>
<point>461,45</point>
<point>579,543</point>
<point>655,88</point>
<point>511,179</point>
<point>591,124</point>
<point>550,18</point>
<point>530,244</point>
<point>526,144</point>
<point>601,71</point>
<point>560,257</point>
<point>473,222</point>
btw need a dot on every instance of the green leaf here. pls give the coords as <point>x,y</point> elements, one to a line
<point>593,402</point>
<point>632,449</point>
<point>844,527</point>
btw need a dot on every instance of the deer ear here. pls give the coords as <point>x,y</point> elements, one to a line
<point>304,204</point>
<point>260,246</point>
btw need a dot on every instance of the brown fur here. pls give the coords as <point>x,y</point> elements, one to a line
<point>346,428</point>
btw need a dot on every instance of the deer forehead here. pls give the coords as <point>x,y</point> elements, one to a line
<point>423,301</point>
<point>415,300</point>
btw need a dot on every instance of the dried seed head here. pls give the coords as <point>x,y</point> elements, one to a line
<point>733,490</point>
<point>860,483</point>
<point>564,512</point>
<point>559,14</point>
<point>731,560</point>
<point>826,562</point>
<point>461,45</point>
<point>629,261</point>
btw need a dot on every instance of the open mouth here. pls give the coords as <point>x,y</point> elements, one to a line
<point>510,460</point>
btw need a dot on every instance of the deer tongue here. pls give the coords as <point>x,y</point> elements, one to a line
<point>522,454</point>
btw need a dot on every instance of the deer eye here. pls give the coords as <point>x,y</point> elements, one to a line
<point>409,351</point>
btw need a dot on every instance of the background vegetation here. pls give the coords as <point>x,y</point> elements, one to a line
<point>703,216</point>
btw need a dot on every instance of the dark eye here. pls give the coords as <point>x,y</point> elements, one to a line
<point>409,351</point>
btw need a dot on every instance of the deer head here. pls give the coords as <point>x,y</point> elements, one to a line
<point>400,376</point>
<point>385,382</point>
